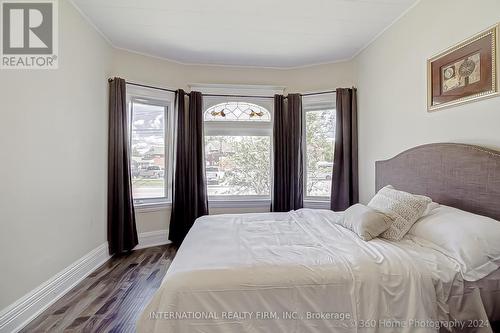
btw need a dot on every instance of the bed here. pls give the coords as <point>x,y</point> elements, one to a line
<point>303,272</point>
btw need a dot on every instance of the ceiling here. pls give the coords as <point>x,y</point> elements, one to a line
<point>263,33</point>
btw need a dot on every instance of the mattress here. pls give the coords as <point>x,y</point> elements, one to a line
<point>489,291</point>
<point>301,272</point>
<point>469,296</point>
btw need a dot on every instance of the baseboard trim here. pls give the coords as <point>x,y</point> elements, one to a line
<point>23,311</point>
<point>20,313</point>
<point>152,238</point>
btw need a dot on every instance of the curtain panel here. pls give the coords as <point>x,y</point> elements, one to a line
<point>122,231</point>
<point>189,200</point>
<point>345,186</point>
<point>288,182</point>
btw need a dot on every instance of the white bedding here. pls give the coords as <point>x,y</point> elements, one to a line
<point>264,272</point>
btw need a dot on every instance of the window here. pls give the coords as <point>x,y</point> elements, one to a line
<point>150,141</point>
<point>237,111</point>
<point>320,143</point>
<point>238,148</point>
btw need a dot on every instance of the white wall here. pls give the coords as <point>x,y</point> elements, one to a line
<point>158,72</point>
<point>53,169</point>
<point>391,77</point>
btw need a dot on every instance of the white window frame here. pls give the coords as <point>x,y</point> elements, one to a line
<point>160,98</point>
<point>240,128</point>
<point>315,103</point>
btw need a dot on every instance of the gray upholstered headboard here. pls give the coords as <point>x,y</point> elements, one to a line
<point>458,175</point>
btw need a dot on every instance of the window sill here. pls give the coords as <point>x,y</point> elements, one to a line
<point>317,203</point>
<point>264,203</point>
<point>249,203</point>
<point>152,206</point>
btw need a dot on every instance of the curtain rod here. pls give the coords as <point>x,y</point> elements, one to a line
<point>217,95</point>
<point>144,85</point>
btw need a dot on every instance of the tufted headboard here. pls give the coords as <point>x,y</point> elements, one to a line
<point>458,175</point>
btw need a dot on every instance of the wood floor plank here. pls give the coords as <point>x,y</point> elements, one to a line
<point>111,298</point>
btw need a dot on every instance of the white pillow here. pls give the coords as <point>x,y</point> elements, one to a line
<point>403,208</point>
<point>473,241</point>
<point>433,205</point>
<point>367,223</point>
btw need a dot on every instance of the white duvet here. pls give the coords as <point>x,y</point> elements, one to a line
<point>297,272</point>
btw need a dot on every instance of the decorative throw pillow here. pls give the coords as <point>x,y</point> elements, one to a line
<point>365,222</point>
<point>403,208</point>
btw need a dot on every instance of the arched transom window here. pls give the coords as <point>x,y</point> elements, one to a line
<point>237,111</point>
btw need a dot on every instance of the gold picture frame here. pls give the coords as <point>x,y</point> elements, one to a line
<point>465,72</point>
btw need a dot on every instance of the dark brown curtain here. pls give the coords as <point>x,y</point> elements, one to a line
<point>189,191</point>
<point>345,160</point>
<point>288,190</point>
<point>122,232</point>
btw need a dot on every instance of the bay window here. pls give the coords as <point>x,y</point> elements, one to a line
<point>238,146</point>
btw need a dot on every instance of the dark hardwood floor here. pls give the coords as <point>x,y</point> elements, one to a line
<point>111,298</point>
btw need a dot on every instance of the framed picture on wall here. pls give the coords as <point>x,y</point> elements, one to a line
<point>465,72</point>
